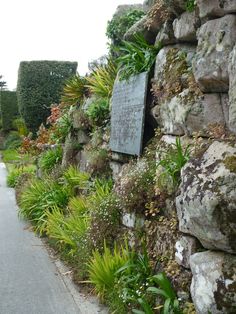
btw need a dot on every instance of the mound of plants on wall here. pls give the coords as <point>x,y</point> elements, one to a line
<point>120,23</point>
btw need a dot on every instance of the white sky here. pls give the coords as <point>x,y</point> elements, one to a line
<point>71,30</point>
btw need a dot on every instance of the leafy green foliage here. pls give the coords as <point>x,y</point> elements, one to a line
<point>74,90</point>
<point>61,128</point>
<point>73,178</point>
<point>136,57</point>
<point>164,290</point>
<point>133,278</point>
<point>68,231</point>
<point>39,198</point>
<point>175,158</point>
<point>118,26</point>
<point>101,81</point>
<point>20,126</point>
<point>103,268</point>
<point>9,109</point>
<point>13,140</point>
<point>16,172</point>
<point>50,159</point>
<point>190,5</point>
<point>98,112</point>
<point>39,85</point>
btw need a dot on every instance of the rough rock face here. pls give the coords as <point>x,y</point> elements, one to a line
<point>68,152</point>
<point>215,8</point>
<point>185,247</point>
<point>206,205</point>
<point>213,287</point>
<point>216,40</point>
<point>181,107</point>
<point>166,34</point>
<point>140,27</point>
<point>232,91</point>
<point>185,27</point>
<point>205,113</point>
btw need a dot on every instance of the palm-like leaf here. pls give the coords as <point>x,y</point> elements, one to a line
<point>74,90</point>
<point>102,80</point>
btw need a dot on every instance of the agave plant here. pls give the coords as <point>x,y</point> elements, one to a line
<point>101,81</point>
<point>74,90</point>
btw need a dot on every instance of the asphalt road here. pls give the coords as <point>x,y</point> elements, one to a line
<point>29,280</point>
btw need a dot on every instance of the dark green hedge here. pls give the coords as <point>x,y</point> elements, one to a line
<point>40,85</point>
<point>9,109</point>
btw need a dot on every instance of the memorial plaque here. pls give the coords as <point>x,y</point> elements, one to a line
<point>128,114</point>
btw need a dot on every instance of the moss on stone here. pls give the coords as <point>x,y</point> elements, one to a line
<point>177,76</point>
<point>230,163</point>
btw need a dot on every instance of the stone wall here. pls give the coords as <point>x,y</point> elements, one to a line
<point>194,95</point>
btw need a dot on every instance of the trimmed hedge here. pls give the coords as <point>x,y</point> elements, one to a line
<point>39,85</point>
<point>9,109</point>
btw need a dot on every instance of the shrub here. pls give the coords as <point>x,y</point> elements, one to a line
<point>13,140</point>
<point>39,85</point>
<point>136,57</point>
<point>9,109</point>
<point>98,112</point>
<point>74,90</point>
<point>16,172</point>
<point>20,126</point>
<point>118,26</point>
<point>103,268</point>
<point>137,186</point>
<point>102,79</point>
<point>39,198</point>
<point>50,159</point>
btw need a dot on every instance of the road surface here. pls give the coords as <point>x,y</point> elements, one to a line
<point>30,282</point>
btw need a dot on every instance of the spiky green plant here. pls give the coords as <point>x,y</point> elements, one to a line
<point>50,159</point>
<point>175,158</point>
<point>67,231</point>
<point>101,81</point>
<point>103,268</point>
<point>74,178</point>
<point>39,198</point>
<point>136,57</point>
<point>74,90</point>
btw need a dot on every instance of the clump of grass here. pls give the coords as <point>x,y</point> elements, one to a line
<point>39,198</point>
<point>50,159</point>
<point>16,172</point>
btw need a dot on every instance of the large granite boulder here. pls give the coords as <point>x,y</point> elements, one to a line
<point>216,40</point>
<point>232,91</point>
<point>206,205</point>
<point>216,8</point>
<point>185,27</point>
<point>213,287</point>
